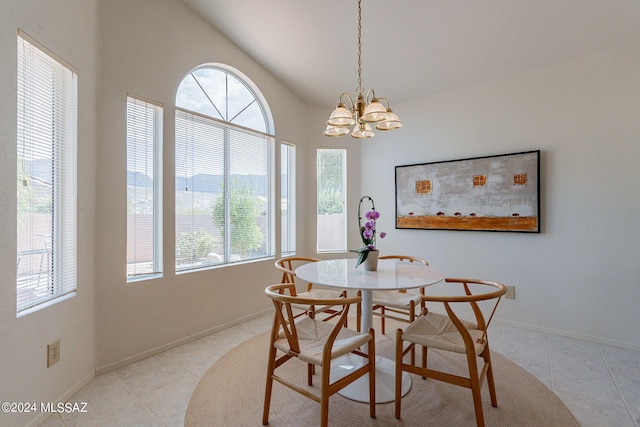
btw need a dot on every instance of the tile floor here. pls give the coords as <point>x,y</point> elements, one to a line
<point>600,384</point>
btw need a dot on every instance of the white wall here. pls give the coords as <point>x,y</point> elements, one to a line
<point>68,28</point>
<point>580,276</point>
<point>146,48</point>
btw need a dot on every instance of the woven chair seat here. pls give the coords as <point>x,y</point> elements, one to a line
<point>317,293</point>
<point>438,331</point>
<point>395,299</point>
<point>287,266</point>
<point>312,335</point>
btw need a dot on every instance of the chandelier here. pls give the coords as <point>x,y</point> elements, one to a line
<point>367,109</point>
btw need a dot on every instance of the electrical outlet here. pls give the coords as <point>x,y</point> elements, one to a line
<point>53,353</point>
<point>511,292</point>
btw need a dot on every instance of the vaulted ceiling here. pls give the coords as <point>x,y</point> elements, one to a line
<point>415,48</point>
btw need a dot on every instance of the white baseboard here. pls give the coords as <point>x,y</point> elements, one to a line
<point>42,416</point>
<point>127,360</point>
<point>568,334</point>
<point>553,331</point>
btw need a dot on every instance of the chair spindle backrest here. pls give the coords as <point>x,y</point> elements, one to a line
<point>287,266</point>
<point>285,319</point>
<point>472,299</point>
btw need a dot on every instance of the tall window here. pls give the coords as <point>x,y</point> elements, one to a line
<point>46,178</point>
<point>331,196</point>
<point>223,173</point>
<point>288,197</point>
<point>144,189</point>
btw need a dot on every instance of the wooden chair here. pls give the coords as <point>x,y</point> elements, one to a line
<point>287,266</point>
<point>316,343</point>
<point>393,304</point>
<point>450,333</point>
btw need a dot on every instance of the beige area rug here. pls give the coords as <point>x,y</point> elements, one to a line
<point>231,394</point>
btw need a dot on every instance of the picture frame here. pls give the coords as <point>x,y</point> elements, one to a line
<point>490,193</point>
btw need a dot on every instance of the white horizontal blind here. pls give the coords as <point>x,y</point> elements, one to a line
<point>144,189</point>
<point>200,171</point>
<point>248,195</point>
<point>222,192</point>
<point>46,178</point>
<point>288,197</point>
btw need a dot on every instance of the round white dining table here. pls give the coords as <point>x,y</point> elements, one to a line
<point>391,274</point>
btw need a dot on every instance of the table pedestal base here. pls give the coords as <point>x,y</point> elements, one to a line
<point>359,389</point>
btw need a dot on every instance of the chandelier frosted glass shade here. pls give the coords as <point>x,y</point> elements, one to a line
<point>374,112</point>
<point>362,131</point>
<point>335,131</point>
<point>390,123</point>
<point>341,116</point>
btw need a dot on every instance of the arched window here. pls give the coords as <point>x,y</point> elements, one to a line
<point>224,144</point>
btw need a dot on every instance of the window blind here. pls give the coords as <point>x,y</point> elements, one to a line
<point>46,177</point>
<point>248,194</point>
<point>222,192</point>
<point>200,170</point>
<point>288,197</point>
<point>144,189</point>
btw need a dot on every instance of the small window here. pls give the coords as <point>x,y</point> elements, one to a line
<point>331,197</point>
<point>144,189</point>
<point>46,180</point>
<point>288,198</point>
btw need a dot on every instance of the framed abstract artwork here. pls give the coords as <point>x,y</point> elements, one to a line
<point>492,193</point>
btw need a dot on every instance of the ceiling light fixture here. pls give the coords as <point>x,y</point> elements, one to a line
<point>367,109</point>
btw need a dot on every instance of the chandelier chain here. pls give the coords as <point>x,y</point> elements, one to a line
<point>360,89</point>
